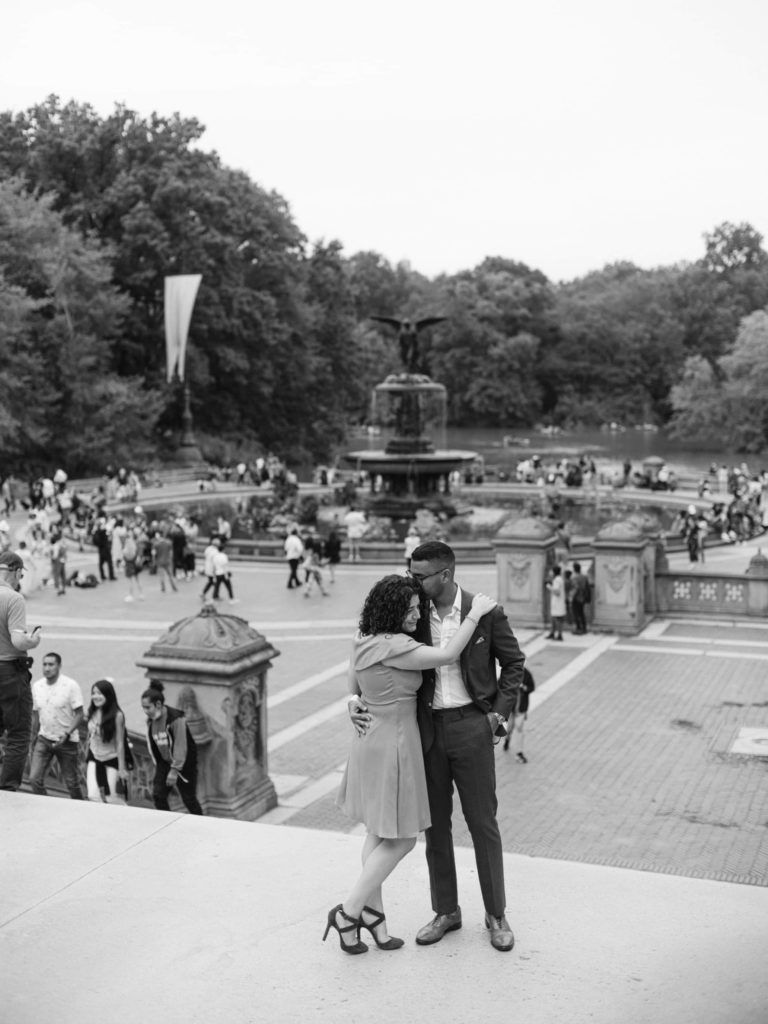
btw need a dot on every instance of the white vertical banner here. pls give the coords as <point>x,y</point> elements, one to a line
<point>180,295</point>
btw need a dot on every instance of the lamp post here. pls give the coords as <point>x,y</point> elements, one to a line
<point>180,294</point>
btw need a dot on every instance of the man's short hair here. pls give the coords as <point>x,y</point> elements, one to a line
<point>54,655</point>
<point>434,551</point>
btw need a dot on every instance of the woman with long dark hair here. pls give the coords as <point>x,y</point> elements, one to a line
<point>107,744</point>
<point>384,784</point>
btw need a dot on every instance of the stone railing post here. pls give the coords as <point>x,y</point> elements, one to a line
<point>214,668</point>
<point>525,553</point>
<point>654,556</point>
<point>757,585</point>
<point>618,601</point>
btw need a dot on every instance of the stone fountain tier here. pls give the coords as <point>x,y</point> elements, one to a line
<point>409,473</point>
<point>411,465</point>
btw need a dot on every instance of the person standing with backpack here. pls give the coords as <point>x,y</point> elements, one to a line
<point>172,750</point>
<point>132,566</point>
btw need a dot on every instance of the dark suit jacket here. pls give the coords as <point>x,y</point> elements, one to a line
<point>492,641</point>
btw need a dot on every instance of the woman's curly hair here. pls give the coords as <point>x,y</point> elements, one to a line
<point>387,605</point>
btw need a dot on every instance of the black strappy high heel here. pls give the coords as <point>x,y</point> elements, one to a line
<point>353,926</point>
<point>379,918</point>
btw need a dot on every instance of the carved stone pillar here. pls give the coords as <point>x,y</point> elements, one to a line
<point>618,600</point>
<point>525,553</point>
<point>757,585</point>
<point>654,556</point>
<point>214,668</point>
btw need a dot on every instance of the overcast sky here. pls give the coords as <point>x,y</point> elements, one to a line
<point>563,134</point>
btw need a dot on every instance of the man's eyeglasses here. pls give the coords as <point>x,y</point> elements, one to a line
<point>420,579</point>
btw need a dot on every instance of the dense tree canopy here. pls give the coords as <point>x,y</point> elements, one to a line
<point>96,211</point>
<point>60,319</point>
<point>727,403</point>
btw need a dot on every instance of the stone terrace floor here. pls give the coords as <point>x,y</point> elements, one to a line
<point>630,741</point>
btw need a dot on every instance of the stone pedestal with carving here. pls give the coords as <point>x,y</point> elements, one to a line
<point>618,601</point>
<point>757,585</point>
<point>214,668</point>
<point>525,553</point>
<point>654,556</point>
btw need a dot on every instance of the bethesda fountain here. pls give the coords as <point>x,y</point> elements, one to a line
<point>409,473</point>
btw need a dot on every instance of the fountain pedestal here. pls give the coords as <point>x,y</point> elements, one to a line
<point>409,473</point>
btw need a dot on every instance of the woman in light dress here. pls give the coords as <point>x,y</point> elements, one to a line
<point>384,785</point>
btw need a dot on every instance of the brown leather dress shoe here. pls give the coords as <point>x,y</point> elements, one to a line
<point>502,937</point>
<point>438,926</point>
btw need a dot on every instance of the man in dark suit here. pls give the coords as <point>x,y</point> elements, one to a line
<point>461,708</point>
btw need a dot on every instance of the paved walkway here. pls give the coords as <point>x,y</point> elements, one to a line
<point>124,915</point>
<point>634,780</point>
<point>630,741</point>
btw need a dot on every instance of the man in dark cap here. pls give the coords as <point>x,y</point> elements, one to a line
<point>15,692</point>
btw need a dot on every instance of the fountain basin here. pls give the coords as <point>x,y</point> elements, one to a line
<point>402,483</point>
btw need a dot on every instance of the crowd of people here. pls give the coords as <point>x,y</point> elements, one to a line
<point>579,472</point>
<point>262,470</point>
<point>738,509</point>
<point>59,716</point>
<point>59,519</point>
<point>313,556</point>
<point>43,719</point>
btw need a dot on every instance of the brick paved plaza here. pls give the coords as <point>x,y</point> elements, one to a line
<point>629,740</point>
<point>631,765</point>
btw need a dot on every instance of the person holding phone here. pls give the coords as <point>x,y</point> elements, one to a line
<point>15,677</point>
